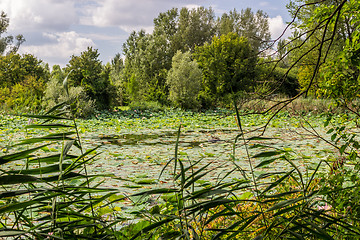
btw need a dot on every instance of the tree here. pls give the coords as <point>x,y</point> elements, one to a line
<point>6,43</point>
<point>253,26</point>
<point>195,27</point>
<point>87,71</point>
<point>23,79</point>
<point>55,94</point>
<point>184,81</point>
<point>148,57</point>
<point>228,65</point>
<point>14,68</point>
<point>324,34</point>
<point>146,66</point>
<point>116,77</point>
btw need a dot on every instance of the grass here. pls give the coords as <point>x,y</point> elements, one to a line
<point>296,186</point>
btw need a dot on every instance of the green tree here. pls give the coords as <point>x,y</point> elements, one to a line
<point>184,81</point>
<point>148,57</point>
<point>87,71</point>
<point>195,27</point>
<point>116,76</point>
<point>146,66</point>
<point>228,65</point>
<point>23,79</point>
<point>6,43</point>
<point>14,68</point>
<point>253,26</point>
<point>324,30</point>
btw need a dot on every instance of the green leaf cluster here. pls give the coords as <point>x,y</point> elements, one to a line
<point>228,65</point>
<point>23,79</point>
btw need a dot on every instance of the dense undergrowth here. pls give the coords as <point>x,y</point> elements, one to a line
<point>50,193</point>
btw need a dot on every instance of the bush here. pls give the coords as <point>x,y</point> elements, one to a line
<point>152,106</point>
<point>55,94</point>
<point>24,96</point>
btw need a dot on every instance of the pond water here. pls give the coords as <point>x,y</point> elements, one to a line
<point>134,150</point>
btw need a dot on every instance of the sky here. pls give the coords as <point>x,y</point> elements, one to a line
<point>57,29</point>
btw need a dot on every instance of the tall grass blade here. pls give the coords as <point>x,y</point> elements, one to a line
<point>20,155</point>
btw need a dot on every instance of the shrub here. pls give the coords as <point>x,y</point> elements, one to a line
<point>55,94</point>
<point>152,106</point>
<point>24,96</point>
<point>88,72</point>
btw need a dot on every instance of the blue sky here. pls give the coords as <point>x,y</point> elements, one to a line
<point>56,29</point>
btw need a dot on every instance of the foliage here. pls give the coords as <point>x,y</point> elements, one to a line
<point>14,68</point>
<point>148,57</point>
<point>289,195</point>
<point>254,27</point>
<point>23,81</point>
<point>49,194</point>
<point>55,94</point>
<point>194,28</point>
<point>281,192</point>
<point>339,78</point>
<point>145,67</point>
<point>25,96</point>
<point>228,65</point>
<point>323,30</point>
<point>146,106</point>
<point>184,79</point>
<point>88,73</point>
<point>118,97</point>
<point>6,42</point>
<point>295,202</point>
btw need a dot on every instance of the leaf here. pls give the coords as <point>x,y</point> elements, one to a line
<point>36,126</point>
<point>11,233</point>
<point>156,191</point>
<point>268,154</point>
<point>330,130</point>
<point>151,227</point>
<point>145,181</point>
<point>203,193</point>
<point>203,206</point>
<point>260,138</point>
<point>333,136</point>
<point>266,162</point>
<point>193,180</point>
<point>25,204</point>
<point>46,117</point>
<point>50,159</point>
<point>50,137</point>
<point>60,105</point>
<point>246,195</point>
<point>17,178</point>
<point>20,155</point>
<point>342,148</point>
<point>274,184</point>
<point>285,203</point>
<point>266,175</point>
<point>42,170</point>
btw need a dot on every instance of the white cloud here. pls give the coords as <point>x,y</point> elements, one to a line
<point>129,15</point>
<point>62,47</point>
<point>28,15</point>
<point>277,27</point>
<point>192,6</point>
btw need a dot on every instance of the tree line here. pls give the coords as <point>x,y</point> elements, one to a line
<point>195,60</point>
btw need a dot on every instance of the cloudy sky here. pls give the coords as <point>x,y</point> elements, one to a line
<point>56,29</point>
